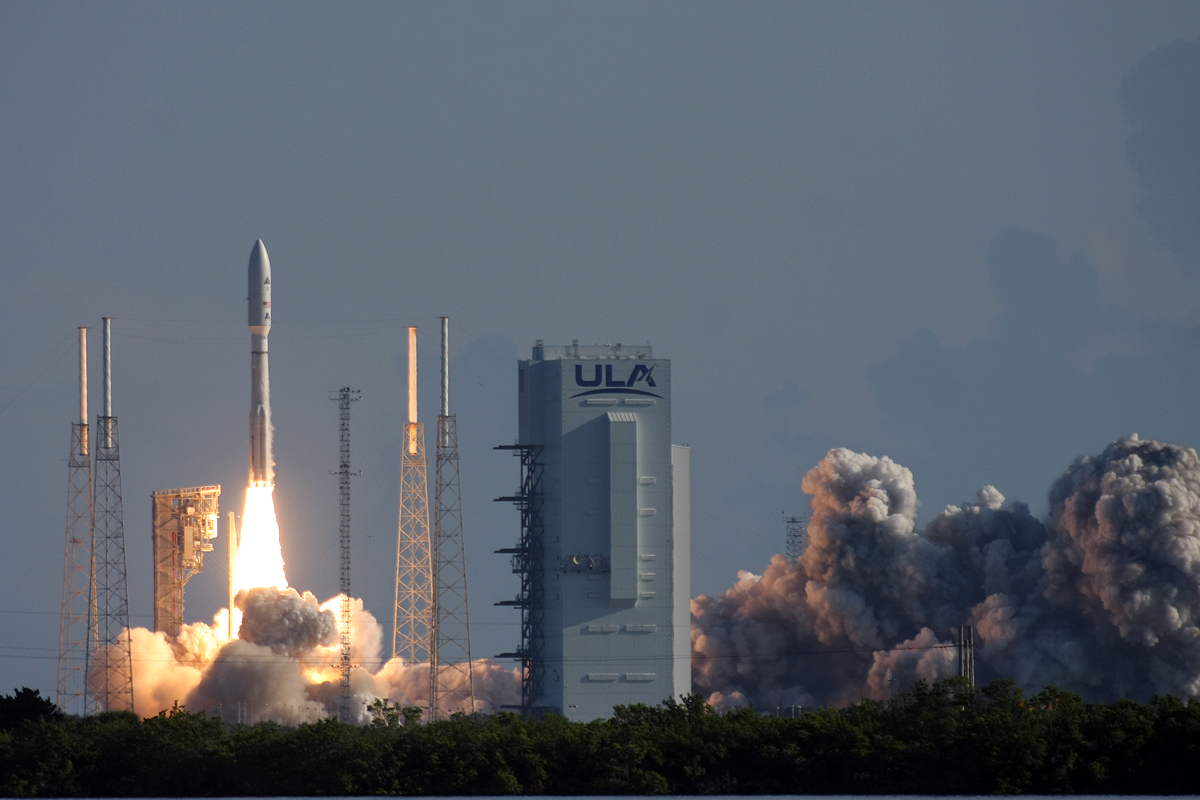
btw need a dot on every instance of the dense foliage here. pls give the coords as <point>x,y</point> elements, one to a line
<point>939,739</point>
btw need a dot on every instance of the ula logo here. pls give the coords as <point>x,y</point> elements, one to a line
<point>615,385</point>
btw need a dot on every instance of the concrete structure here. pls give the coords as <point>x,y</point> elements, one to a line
<point>615,568</point>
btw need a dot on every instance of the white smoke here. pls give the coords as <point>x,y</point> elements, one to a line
<point>284,665</point>
<point>1103,598</point>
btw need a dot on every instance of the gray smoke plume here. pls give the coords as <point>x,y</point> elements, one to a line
<point>1103,598</point>
<point>284,621</point>
<point>250,682</point>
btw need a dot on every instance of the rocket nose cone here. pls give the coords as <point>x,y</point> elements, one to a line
<point>259,280</point>
<point>260,264</point>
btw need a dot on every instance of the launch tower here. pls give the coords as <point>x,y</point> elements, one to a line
<point>184,525</point>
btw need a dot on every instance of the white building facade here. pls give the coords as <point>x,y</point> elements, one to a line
<point>615,510</point>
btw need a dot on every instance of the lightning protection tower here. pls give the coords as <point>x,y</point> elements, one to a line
<point>111,669</point>
<point>344,398</point>
<point>76,634</point>
<point>795,538</point>
<point>414,576</point>
<point>451,682</point>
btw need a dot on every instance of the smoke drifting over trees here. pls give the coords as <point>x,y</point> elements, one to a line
<point>1102,598</point>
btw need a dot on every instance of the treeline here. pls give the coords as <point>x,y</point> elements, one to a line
<point>941,739</point>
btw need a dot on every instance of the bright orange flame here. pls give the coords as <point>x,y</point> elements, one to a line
<point>259,559</point>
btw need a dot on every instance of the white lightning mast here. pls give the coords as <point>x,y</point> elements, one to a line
<point>414,578</point>
<point>75,640</point>
<point>452,686</point>
<point>111,669</point>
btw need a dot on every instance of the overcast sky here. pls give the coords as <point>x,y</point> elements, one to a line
<point>962,235</point>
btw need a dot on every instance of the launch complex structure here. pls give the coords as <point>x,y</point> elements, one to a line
<point>95,654</point>
<point>432,622</point>
<point>432,625</point>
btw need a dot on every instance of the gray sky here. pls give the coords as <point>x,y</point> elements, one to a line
<point>960,235</point>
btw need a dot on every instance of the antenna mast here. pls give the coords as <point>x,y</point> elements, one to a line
<point>795,538</point>
<point>344,398</point>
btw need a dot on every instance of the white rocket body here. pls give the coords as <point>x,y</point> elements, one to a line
<point>262,460</point>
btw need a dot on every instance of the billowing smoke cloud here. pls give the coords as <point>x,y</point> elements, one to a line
<point>284,665</point>
<point>284,621</point>
<point>1103,598</point>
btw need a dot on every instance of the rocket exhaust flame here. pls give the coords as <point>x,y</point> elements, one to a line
<point>259,559</point>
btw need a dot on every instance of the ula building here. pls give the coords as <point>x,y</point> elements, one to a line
<point>604,555</point>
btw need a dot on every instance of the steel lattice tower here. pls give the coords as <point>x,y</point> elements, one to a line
<point>451,682</point>
<point>111,669</point>
<point>344,398</point>
<point>795,538</point>
<point>414,576</point>
<point>77,632</point>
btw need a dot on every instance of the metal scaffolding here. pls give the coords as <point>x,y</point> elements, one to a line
<point>528,561</point>
<point>344,398</point>
<point>414,581</point>
<point>966,654</point>
<point>76,638</point>
<point>451,680</point>
<point>184,524</point>
<point>79,581</point>
<point>111,669</point>
<point>795,538</point>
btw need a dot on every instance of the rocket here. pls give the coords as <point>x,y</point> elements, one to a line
<point>262,461</point>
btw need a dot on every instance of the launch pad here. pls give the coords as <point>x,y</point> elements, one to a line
<point>185,523</point>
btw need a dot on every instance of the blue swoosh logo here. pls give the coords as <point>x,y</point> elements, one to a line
<point>615,390</point>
